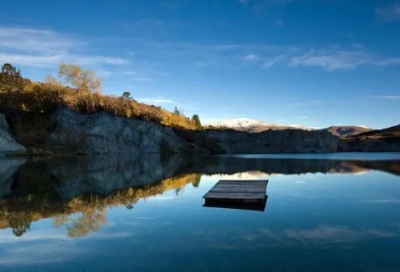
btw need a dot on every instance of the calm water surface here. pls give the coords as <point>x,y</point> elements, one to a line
<point>119,213</point>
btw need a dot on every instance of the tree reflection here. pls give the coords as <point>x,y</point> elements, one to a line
<point>20,222</point>
<point>85,213</point>
<point>90,221</point>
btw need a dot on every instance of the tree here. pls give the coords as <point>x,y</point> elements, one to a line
<point>10,78</point>
<point>126,96</point>
<point>176,111</point>
<point>82,80</point>
<point>196,121</point>
<point>51,80</point>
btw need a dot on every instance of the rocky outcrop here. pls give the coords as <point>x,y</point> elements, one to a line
<point>7,142</point>
<point>273,141</point>
<point>104,133</point>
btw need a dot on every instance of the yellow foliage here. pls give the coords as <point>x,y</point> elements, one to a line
<point>47,97</point>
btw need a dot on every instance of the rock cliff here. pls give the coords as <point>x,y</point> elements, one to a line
<point>7,142</point>
<point>69,131</point>
<point>104,133</point>
<point>272,141</point>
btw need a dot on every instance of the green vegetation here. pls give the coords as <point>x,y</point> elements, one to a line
<point>196,121</point>
<point>79,90</point>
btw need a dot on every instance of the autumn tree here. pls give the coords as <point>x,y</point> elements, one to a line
<point>10,78</point>
<point>51,80</point>
<point>82,80</point>
<point>196,121</point>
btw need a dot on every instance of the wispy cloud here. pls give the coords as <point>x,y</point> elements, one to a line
<point>306,102</point>
<point>44,41</point>
<point>131,73</point>
<point>252,57</point>
<point>142,79</point>
<point>40,61</point>
<point>43,48</point>
<point>395,97</point>
<point>156,100</point>
<point>302,117</point>
<point>390,13</point>
<point>273,61</point>
<point>331,60</point>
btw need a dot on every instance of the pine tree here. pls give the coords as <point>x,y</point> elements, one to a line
<point>196,121</point>
<point>176,111</point>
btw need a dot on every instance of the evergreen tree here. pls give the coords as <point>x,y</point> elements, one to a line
<point>10,78</point>
<point>127,96</point>
<point>176,111</point>
<point>196,121</point>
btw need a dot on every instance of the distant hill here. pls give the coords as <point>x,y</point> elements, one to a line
<point>381,133</point>
<point>347,131</point>
<point>252,125</point>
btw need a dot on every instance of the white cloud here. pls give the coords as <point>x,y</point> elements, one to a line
<point>224,55</point>
<point>156,100</point>
<point>129,73</point>
<point>331,60</point>
<point>43,41</point>
<point>54,60</point>
<point>252,57</point>
<point>395,97</point>
<point>389,13</point>
<point>142,79</point>
<point>42,48</point>
<point>273,61</point>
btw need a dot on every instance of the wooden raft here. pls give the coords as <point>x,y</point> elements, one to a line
<point>238,194</point>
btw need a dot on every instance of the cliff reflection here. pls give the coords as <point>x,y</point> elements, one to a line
<point>77,191</point>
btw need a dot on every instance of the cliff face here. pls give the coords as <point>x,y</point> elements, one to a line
<point>7,143</point>
<point>104,133</point>
<point>273,141</point>
<point>70,131</point>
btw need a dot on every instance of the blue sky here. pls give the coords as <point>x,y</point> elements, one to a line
<point>310,62</point>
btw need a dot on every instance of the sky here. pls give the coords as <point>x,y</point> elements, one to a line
<point>310,62</point>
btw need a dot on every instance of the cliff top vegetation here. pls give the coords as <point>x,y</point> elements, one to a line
<point>80,90</point>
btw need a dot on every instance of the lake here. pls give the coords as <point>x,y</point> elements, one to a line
<point>325,212</point>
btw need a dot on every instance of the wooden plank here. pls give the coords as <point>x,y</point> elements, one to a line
<point>238,190</point>
<point>242,182</point>
<point>241,186</point>
<point>235,195</point>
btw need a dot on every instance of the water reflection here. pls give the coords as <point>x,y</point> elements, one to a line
<point>76,192</point>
